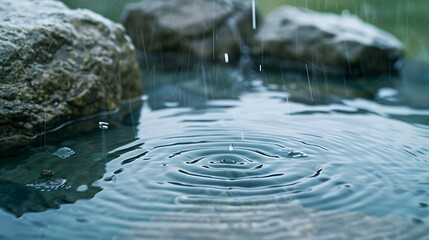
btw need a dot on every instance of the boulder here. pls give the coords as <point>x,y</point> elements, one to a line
<point>331,43</point>
<point>57,65</point>
<point>201,30</point>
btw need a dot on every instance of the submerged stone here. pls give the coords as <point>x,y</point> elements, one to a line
<point>57,65</point>
<point>183,29</point>
<point>46,173</point>
<point>327,43</point>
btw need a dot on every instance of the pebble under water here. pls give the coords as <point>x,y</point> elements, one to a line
<point>216,157</point>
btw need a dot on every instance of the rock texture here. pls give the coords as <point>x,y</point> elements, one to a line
<point>204,29</point>
<point>58,64</point>
<point>344,44</point>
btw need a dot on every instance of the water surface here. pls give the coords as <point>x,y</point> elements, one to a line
<point>213,152</point>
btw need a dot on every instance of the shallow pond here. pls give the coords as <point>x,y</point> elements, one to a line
<point>226,153</point>
<point>220,152</point>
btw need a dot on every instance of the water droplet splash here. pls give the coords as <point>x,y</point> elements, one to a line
<point>103,125</point>
<point>64,152</point>
<point>228,161</point>
<point>231,147</point>
<point>296,154</point>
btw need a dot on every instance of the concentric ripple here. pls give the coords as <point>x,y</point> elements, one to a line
<point>247,171</point>
<point>222,165</point>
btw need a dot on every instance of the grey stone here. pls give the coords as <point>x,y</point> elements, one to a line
<point>57,65</point>
<point>333,43</point>
<point>202,30</point>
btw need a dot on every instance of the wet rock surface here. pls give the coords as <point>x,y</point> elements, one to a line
<point>201,30</point>
<point>58,64</point>
<point>331,43</point>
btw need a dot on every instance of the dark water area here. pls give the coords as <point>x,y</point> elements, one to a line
<point>229,152</point>
<point>205,152</point>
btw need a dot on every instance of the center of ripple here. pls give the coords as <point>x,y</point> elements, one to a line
<point>206,166</point>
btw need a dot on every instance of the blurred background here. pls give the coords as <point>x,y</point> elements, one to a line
<point>405,19</point>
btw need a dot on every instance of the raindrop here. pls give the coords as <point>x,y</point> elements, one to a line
<point>82,188</point>
<point>231,147</point>
<point>253,15</point>
<point>103,125</point>
<point>64,152</point>
<point>260,67</point>
<point>296,154</point>
<point>226,58</point>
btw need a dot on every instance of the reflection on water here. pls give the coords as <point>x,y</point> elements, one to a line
<point>225,157</point>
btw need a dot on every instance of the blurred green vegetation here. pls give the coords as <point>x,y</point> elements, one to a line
<point>406,19</point>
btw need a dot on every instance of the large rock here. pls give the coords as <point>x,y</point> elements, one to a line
<point>331,43</point>
<point>201,30</point>
<point>58,64</point>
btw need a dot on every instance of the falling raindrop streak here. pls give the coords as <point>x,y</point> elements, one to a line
<point>226,58</point>
<point>214,47</point>
<point>253,15</point>
<point>309,84</point>
<point>144,50</point>
<point>345,87</point>
<point>287,109</point>
<point>132,118</point>
<point>204,81</point>
<point>348,58</point>
<point>103,126</point>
